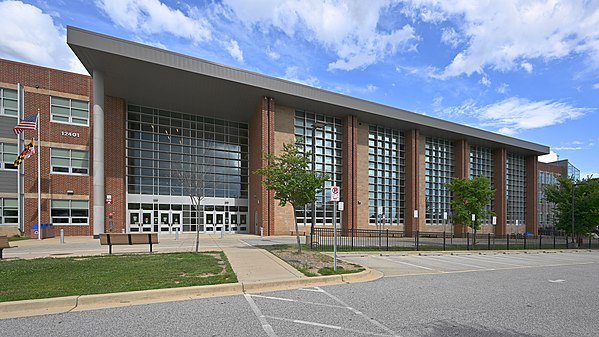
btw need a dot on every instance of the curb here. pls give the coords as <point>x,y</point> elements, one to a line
<point>45,306</point>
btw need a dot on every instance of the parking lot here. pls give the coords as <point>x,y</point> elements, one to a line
<point>393,265</point>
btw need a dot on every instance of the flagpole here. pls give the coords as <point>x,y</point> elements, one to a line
<point>39,179</point>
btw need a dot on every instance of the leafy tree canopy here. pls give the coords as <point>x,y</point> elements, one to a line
<point>586,204</point>
<point>470,196</point>
<point>290,177</point>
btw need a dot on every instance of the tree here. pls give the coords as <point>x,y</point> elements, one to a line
<point>470,196</point>
<point>586,204</point>
<point>290,177</point>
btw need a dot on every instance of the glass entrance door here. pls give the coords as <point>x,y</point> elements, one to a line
<point>170,221</point>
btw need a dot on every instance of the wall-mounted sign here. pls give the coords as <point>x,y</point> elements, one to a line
<point>70,134</point>
<point>108,199</point>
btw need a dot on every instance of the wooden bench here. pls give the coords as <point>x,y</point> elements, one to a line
<point>4,244</point>
<point>113,239</point>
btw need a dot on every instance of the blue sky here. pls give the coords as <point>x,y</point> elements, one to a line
<point>527,69</point>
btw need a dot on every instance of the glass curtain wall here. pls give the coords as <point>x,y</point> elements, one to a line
<point>481,164</point>
<point>439,169</point>
<point>327,147</point>
<point>515,189</point>
<point>546,208</point>
<point>386,175</point>
<point>171,154</point>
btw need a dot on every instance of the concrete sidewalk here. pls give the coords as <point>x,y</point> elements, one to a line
<point>257,270</point>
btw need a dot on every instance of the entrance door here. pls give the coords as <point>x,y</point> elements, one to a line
<point>170,221</point>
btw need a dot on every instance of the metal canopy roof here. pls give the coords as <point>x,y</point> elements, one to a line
<point>163,79</point>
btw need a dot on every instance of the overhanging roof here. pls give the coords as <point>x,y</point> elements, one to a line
<point>160,78</point>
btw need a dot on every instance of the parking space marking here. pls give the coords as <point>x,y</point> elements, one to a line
<point>357,312</point>
<point>298,301</point>
<point>488,259</point>
<point>442,258</point>
<point>335,327</point>
<point>409,264</point>
<point>265,326</point>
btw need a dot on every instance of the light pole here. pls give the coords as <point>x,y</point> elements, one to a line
<point>315,125</point>
<point>573,186</point>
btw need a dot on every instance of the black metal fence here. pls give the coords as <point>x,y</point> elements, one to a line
<point>388,240</point>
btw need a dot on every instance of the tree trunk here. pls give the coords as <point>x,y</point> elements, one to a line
<point>299,245</point>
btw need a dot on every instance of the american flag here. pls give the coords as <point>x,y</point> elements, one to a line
<point>28,123</point>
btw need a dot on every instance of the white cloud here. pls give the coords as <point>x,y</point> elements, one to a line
<point>450,37</point>
<point>568,148</point>
<point>515,114</point>
<point>508,34</point>
<point>153,17</point>
<point>596,86</point>
<point>292,74</point>
<point>526,66</point>
<point>437,103</point>
<point>503,88</point>
<point>485,81</point>
<point>548,158</point>
<point>234,50</point>
<point>349,29</point>
<point>30,35</point>
<point>273,55</point>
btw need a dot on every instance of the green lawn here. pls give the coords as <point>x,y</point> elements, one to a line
<point>18,238</point>
<point>54,277</point>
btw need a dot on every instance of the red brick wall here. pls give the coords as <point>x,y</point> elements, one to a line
<point>412,182</point>
<point>461,150</point>
<point>40,84</point>
<point>114,163</point>
<point>350,184</point>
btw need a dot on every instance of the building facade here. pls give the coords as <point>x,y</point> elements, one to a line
<point>548,174</point>
<point>164,131</point>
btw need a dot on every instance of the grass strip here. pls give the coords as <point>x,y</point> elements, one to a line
<point>311,263</point>
<point>55,277</point>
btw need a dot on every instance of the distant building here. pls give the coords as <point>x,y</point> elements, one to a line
<point>548,173</point>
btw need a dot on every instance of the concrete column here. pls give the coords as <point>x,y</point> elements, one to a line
<point>532,189</point>
<point>98,153</point>
<point>350,184</point>
<point>413,176</point>
<point>461,150</point>
<point>500,200</point>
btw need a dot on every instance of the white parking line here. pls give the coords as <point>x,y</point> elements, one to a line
<point>489,260</point>
<point>442,258</point>
<point>409,264</point>
<point>329,326</point>
<point>265,326</point>
<point>357,312</point>
<point>298,301</point>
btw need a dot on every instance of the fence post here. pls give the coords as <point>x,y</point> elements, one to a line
<point>507,236</point>
<point>467,240</point>
<point>312,239</point>
<point>590,240</point>
<point>417,240</point>
<point>567,244</point>
<point>387,239</point>
<point>540,241</point>
<point>489,241</point>
<point>444,239</point>
<point>554,239</point>
<point>352,238</point>
<point>525,240</point>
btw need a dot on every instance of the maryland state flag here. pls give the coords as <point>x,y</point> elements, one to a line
<point>26,153</point>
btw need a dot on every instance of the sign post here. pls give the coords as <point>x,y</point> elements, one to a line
<point>335,199</point>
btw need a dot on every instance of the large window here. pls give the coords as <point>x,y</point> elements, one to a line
<point>72,111</point>
<point>70,212</point>
<point>327,147</point>
<point>165,150</point>
<point>545,208</point>
<point>515,189</point>
<point>481,164</point>
<point>9,211</point>
<point>8,154</point>
<point>8,102</point>
<point>69,161</point>
<point>439,162</point>
<point>386,174</point>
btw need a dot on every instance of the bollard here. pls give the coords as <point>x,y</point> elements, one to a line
<point>261,232</point>
<point>62,236</point>
<point>177,233</point>
<point>222,232</point>
<point>123,231</point>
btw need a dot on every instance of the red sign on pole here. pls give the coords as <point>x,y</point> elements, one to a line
<point>108,199</point>
<point>334,193</point>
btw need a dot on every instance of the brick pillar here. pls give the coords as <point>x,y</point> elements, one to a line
<point>350,184</point>
<point>500,200</point>
<point>461,150</point>
<point>261,142</point>
<point>114,156</point>
<point>532,175</point>
<point>413,177</point>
